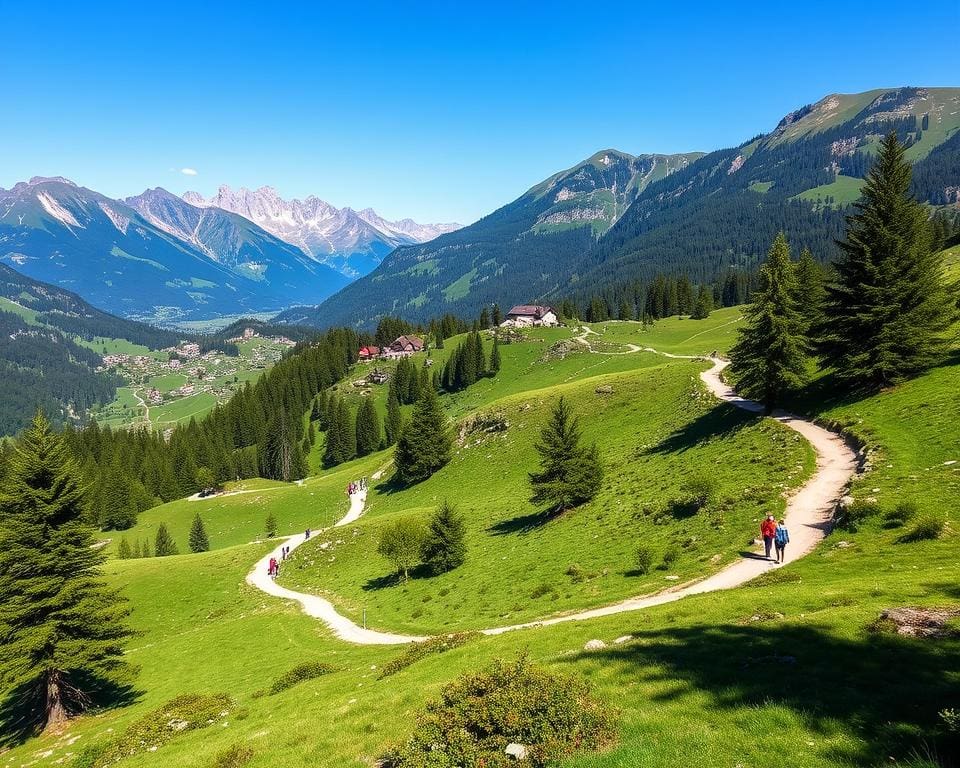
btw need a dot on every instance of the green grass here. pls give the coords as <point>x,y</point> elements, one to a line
<point>781,673</point>
<point>761,186</point>
<point>29,315</point>
<point>657,421</point>
<point>459,287</point>
<point>843,190</point>
<point>191,406</point>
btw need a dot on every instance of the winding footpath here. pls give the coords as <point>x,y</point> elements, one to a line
<point>808,515</point>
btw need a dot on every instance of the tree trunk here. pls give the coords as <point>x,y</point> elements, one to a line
<point>55,709</point>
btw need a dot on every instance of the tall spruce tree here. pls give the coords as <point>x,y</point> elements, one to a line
<point>425,443</point>
<point>887,311</point>
<point>703,305</point>
<point>199,541</point>
<point>495,361</point>
<point>163,544</point>
<point>61,627</point>
<point>810,292</point>
<point>770,356</point>
<point>570,473</point>
<point>368,428</point>
<point>393,425</point>
<point>445,547</point>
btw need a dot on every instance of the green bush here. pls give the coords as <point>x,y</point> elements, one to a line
<point>300,673</point>
<point>927,529</point>
<point>433,645</point>
<point>479,714</point>
<point>644,559</point>
<point>670,557</point>
<point>701,491</point>
<point>857,513</point>
<point>900,515</point>
<point>233,757</point>
<point>188,712</point>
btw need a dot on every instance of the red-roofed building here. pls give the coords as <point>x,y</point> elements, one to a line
<point>404,346</point>
<point>531,314</point>
<point>369,353</point>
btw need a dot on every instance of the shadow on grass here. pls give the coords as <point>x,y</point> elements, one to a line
<point>22,713</point>
<point>522,523</point>
<point>885,689</point>
<point>395,579</point>
<point>723,420</point>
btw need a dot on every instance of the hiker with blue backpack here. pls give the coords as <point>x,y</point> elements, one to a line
<point>781,538</point>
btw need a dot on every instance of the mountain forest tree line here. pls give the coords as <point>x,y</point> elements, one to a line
<point>881,315</point>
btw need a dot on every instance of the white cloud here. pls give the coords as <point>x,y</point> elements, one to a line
<point>188,172</point>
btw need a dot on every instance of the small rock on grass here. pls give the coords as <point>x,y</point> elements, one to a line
<point>594,645</point>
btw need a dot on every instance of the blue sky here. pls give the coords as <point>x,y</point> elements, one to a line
<point>439,111</point>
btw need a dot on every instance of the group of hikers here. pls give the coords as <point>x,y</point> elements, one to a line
<point>775,535</point>
<point>354,487</point>
<point>273,567</point>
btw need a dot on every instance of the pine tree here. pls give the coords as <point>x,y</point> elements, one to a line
<point>199,542</point>
<point>888,309</point>
<point>495,356</point>
<point>368,428</point>
<point>123,549</point>
<point>771,353</point>
<point>146,551</point>
<point>703,305</point>
<point>810,291</point>
<point>425,444</point>
<point>270,525</point>
<point>164,544</point>
<point>445,545</point>
<point>61,627</point>
<point>570,474</point>
<point>484,319</point>
<point>334,448</point>
<point>348,431</point>
<point>497,316</point>
<point>394,421</point>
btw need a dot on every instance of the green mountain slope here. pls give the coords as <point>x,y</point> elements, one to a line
<point>523,250</point>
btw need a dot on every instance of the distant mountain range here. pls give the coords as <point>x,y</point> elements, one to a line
<point>352,242</point>
<point>617,217</point>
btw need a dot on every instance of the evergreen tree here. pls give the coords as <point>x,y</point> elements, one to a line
<point>164,544</point>
<point>484,319</point>
<point>810,291</point>
<point>270,525</point>
<point>61,627</point>
<point>123,549</point>
<point>394,421</point>
<point>425,444</point>
<point>497,316</point>
<point>887,311</point>
<point>146,551</point>
<point>771,352</point>
<point>199,542</point>
<point>444,547</point>
<point>703,305</point>
<point>348,430</point>
<point>368,428</point>
<point>570,474</point>
<point>495,356</point>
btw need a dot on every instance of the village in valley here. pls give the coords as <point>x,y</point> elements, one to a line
<point>171,385</point>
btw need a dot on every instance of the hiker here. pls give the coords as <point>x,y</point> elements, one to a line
<point>768,529</point>
<point>306,534</point>
<point>781,539</point>
<point>272,568</point>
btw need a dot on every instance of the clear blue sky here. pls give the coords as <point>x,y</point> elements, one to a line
<point>440,111</point>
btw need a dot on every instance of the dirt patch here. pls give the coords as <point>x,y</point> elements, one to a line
<point>917,622</point>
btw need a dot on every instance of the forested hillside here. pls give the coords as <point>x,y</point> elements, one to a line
<point>701,217</point>
<point>526,248</point>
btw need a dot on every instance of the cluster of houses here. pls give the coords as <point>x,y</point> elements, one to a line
<point>403,346</point>
<point>530,315</point>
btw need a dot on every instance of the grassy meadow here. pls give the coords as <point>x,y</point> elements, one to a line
<point>784,672</point>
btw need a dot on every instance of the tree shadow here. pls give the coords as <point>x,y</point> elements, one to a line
<point>395,579</point>
<point>522,523</point>
<point>723,420</point>
<point>22,714</point>
<point>886,688</point>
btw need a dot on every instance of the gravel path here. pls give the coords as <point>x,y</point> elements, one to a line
<point>808,515</point>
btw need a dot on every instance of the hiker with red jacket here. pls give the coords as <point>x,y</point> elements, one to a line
<point>768,529</point>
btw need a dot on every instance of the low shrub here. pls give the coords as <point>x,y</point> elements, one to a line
<point>644,559</point>
<point>233,757</point>
<point>951,718</point>
<point>417,651</point>
<point>900,515</point>
<point>542,590</point>
<point>927,529</point>
<point>188,712</point>
<point>670,557</point>
<point>309,670</point>
<point>701,491</point>
<point>855,514</point>
<point>576,573</point>
<point>552,715</point>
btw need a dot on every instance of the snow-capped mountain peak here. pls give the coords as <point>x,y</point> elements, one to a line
<point>352,242</point>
